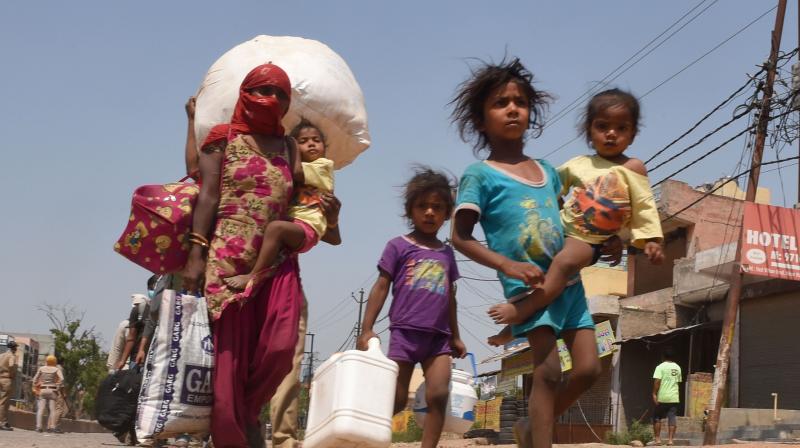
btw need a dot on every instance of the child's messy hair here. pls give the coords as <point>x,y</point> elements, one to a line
<point>605,100</point>
<point>472,94</point>
<point>424,181</point>
<point>305,124</point>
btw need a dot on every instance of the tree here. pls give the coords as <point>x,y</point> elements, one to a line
<point>83,361</point>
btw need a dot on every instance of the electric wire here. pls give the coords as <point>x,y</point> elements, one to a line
<point>703,138</point>
<point>686,67</point>
<point>346,340</point>
<point>478,339</point>
<point>712,191</point>
<point>480,279</point>
<point>708,52</point>
<point>599,85</point>
<point>717,148</point>
<point>717,108</point>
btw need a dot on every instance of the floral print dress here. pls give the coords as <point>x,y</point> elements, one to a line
<point>255,189</point>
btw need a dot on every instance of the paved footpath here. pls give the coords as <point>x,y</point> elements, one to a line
<point>24,439</point>
<point>20,438</point>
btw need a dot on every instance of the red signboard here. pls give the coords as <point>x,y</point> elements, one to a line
<point>769,241</point>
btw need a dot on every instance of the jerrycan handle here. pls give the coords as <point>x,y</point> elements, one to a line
<point>374,344</point>
<point>474,365</point>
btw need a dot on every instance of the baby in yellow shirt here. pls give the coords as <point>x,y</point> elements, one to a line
<point>309,223</point>
<point>610,193</point>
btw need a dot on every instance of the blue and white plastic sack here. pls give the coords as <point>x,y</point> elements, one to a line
<point>176,395</point>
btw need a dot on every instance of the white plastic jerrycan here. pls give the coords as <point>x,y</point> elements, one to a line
<point>460,413</point>
<point>352,398</point>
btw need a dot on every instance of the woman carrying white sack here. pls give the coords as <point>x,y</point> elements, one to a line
<point>324,92</point>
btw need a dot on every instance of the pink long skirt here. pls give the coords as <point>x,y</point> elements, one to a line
<point>254,347</point>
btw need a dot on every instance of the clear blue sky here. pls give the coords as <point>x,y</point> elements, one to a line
<point>92,94</point>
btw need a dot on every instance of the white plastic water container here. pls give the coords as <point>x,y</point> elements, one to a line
<point>352,398</point>
<point>460,412</point>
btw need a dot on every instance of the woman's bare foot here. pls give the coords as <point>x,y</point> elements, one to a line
<point>502,338</point>
<point>238,282</point>
<point>505,313</point>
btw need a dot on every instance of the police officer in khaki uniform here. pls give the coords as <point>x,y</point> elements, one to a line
<point>47,382</point>
<point>8,371</point>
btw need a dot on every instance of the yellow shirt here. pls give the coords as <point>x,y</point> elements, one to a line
<point>305,203</point>
<point>606,199</point>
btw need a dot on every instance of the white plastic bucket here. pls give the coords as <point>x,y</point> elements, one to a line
<point>460,413</point>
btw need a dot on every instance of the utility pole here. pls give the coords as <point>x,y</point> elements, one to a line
<point>310,359</point>
<point>360,302</point>
<point>719,386</point>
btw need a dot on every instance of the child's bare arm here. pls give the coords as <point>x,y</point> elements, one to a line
<point>463,240</point>
<point>294,160</point>
<point>456,344</point>
<point>190,151</point>
<point>652,247</point>
<point>377,297</point>
<point>331,206</point>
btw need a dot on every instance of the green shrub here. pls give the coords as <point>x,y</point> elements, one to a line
<point>636,431</point>
<point>413,432</point>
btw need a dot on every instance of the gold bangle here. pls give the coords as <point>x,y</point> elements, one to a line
<point>196,237</point>
<point>199,243</point>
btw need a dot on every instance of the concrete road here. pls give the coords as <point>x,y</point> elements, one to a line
<point>28,439</point>
<point>20,438</point>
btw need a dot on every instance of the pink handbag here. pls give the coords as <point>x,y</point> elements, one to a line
<point>156,237</point>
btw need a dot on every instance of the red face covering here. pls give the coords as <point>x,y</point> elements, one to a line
<point>256,114</point>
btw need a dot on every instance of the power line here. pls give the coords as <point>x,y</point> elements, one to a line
<point>346,340</point>
<point>717,148</point>
<point>745,154</point>
<point>695,161</point>
<point>703,138</point>
<point>483,296</point>
<point>573,105</point>
<point>478,339</point>
<point>334,316</point>
<point>709,52</point>
<point>679,71</point>
<point>561,147</point>
<point>719,106</point>
<point>480,279</point>
<point>476,319</point>
<point>710,192</point>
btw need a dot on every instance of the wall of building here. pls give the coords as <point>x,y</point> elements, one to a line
<point>732,190</point>
<point>595,402</point>
<point>648,313</point>
<point>605,281</point>
<point>714,221</point>
<point>769,352</point>
<point>645,276</point>
<point>638,361</point>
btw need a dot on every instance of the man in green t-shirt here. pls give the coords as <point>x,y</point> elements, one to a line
<point>666,396</point>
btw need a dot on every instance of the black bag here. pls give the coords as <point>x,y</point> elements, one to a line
<point>116,400</point>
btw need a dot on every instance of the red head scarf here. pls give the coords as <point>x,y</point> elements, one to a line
<point>256,114</point>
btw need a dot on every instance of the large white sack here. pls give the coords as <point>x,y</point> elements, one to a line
<point>176,395</point>
<point>324,91</point>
